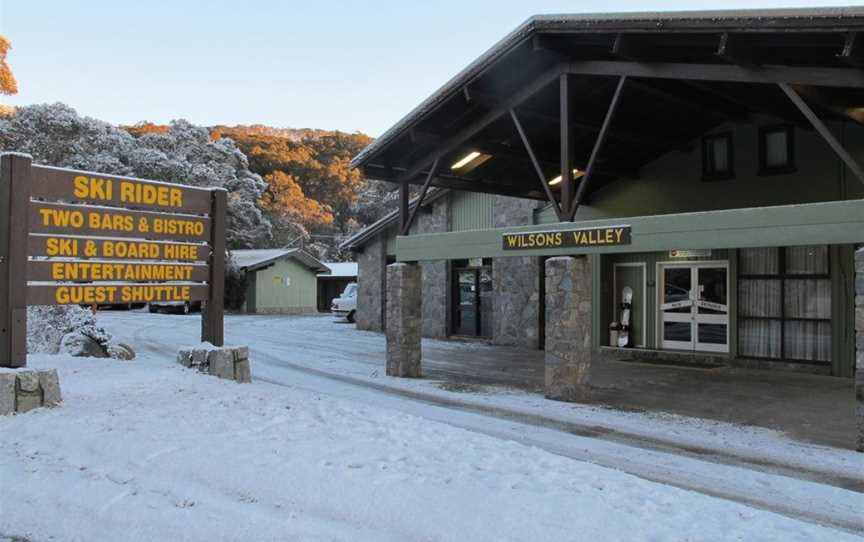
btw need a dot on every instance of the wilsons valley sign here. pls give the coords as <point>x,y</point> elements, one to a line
<point>582,237</point>
<point>78,237</point>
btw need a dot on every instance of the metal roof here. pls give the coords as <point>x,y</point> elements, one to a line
<point>341,269</point>
<point>372,230</point>
<point>442,113</point>
<point>250,260</point>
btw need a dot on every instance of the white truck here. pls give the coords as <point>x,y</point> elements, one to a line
<point>345,306</point>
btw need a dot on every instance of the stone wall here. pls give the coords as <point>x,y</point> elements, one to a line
<point>227,362</point>
<point>22,390</point>
<point>568,328</point>
<point>516,281</point>
<point>434,219</point>
<point>404,309</point>
<point>859,345</point>
<point>370,285</point>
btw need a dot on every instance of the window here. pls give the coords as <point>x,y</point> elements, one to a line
<point>717,157</point>
<point>776,150</point>
<point>784,303</point>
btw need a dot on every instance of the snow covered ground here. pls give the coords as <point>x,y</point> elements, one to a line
<point>147,450</point>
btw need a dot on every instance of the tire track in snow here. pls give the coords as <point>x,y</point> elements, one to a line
<point>761,484</point>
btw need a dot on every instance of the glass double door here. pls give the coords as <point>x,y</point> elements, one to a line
<point>472,301</point>
<point>694,308</point>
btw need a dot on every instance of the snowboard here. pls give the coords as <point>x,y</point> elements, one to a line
<point>626,306</point>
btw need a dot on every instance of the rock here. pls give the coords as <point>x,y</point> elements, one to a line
<point>7,393</point>
<point>121,351</point>
<point>28,381</point>
<point>221,361</point>
<point>80,345</point>
<point>199,358</point>
<point>242,372</point>
<point>241,353</point>
<point>28,394</point>
<point>50,383</point>
<point>184,357</point>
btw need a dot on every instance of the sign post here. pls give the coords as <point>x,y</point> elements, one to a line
<point>14,197</point>
<point>212,326</point>
<point>79,237</point>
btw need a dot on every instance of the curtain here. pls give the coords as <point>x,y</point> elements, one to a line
<point>807,260</point>
<point>758,261</point>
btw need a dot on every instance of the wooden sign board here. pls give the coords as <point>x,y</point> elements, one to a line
<point>89,187</point>
<point>104,240</point>
<point>112,294</point>
<point>59,218</point>
<point>69,246</point>
<point>100,270</point>
<point>581,237</point>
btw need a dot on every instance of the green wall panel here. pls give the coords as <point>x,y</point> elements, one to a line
<point>273,293</point>
<point>471,211</point>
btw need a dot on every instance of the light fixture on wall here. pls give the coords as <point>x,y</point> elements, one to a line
<point>469,162</point>
<point>576,174</point>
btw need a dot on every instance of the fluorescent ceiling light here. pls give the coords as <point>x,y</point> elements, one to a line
<point>465,160</point>
<point>576,174</point>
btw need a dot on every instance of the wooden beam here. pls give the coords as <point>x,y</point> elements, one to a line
<point>404,197</point>
<point>407,226</point>
<point>830,77</point>
<point>540,175</point>
<point>601,137</point>
<point>451,144</point>
<point>823,130</point>
<point>566,144</point>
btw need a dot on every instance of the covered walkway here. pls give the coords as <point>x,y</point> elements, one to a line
<point>817,409</point>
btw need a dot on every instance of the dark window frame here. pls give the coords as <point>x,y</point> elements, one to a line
<point>766,170</point>
<point>782,276</point>
<point>709,171</point>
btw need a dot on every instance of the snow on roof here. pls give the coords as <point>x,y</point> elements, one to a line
<point>255,258</point>
<point>341,269</point>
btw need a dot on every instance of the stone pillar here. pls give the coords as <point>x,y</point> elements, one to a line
<point>568,328</point>
<point>404,320</point>
<point>859,346</point>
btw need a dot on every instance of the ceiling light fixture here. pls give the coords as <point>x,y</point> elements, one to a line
<point>576,174</point>
<point>465,160</point>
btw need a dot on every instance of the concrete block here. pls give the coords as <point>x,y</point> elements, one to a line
<point>242,371</point>
<point>859,340</point>
<point>184,357</point>
<point>859,319</point>
<point>7,393</point>
<point>50,384</point>
<point>199,358</point>
<point>28,396</point>
<point>221,363</point>
<point>859,285</point>
<point>28,381</point>
<point>241,353</point>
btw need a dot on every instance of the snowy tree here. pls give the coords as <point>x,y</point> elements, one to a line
<point>56,135</point>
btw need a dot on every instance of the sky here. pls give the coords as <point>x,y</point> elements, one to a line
<point>347,65</point>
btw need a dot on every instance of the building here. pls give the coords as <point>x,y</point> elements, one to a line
<point>280,281</point>
<point>709,161</point>
<point>333,282</point>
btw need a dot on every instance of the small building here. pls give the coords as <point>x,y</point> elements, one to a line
<point>331,284</point>
<point>710,162</point>
<point>280,281</point>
